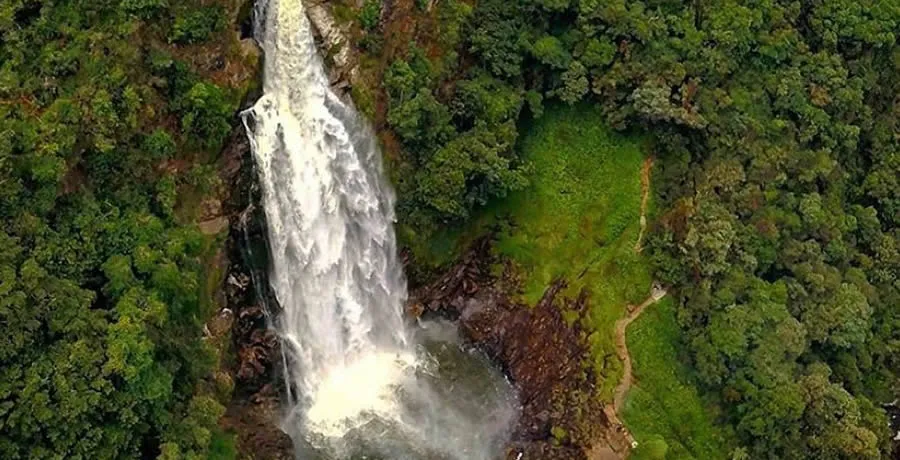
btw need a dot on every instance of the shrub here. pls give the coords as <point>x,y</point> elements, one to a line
<point>370,14</point>
<point>206,114</point>
<point>159,145</point>
<point>144,8</point>
<point>197,25</point>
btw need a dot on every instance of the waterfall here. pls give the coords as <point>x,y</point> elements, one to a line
<point>360,381</point>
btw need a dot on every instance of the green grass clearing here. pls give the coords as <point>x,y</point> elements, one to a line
<point>664,411</point>
<point>579,219</point>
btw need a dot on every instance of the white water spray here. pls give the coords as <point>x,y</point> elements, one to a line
<point>358,377</point>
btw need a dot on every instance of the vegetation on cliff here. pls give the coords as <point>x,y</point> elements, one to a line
<point>578,219</point>
<point>111,114</point>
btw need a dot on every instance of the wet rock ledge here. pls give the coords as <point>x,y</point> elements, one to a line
<point>545,357</point>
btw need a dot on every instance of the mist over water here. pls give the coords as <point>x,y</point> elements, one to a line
<point>362,384</point>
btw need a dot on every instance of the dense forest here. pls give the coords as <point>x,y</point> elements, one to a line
<point>107,131</point>
<point>775,125</point>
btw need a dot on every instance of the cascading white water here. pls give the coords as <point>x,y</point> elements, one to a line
<point>358,376</point>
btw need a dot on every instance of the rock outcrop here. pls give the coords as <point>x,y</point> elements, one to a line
<point>543,355</point>
<point>334,45</point>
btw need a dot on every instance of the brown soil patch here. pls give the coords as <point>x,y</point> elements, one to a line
<point>645,194</point>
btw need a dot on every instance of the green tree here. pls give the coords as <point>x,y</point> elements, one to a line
<point>206,114</point>
<point>550,51</point>
<point>197,25</point>
<point>370,14</point>
<point>471,169</point>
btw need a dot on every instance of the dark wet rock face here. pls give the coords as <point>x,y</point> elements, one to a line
<point>257,350</point>
<point>545,357</point>
<point>253,419</point>
<point>255,409</point>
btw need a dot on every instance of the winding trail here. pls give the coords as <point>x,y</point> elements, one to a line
<point>657,292</point>
<point>622,346</point>
<point>614,410</point>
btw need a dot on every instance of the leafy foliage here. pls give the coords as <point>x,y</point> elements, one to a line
<point>370,14</point>
<point>461,150</point>
<point>196,25</point>
<point>206,114</point>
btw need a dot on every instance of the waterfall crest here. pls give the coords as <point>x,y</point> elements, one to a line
<point>359,380</point>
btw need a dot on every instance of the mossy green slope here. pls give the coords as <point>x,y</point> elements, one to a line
<point>579,219</point>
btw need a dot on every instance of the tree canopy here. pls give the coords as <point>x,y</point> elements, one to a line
<point>100,294</point>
